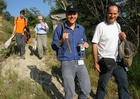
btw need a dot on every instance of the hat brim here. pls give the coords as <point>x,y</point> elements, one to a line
<point>72,10</point>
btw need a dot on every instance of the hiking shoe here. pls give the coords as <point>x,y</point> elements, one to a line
<point>23,56</point>
<point>40,58</point>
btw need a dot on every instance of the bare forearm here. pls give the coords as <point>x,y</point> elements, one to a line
<point>95,57</point>
<point>14,30</point>
<point>95,52</point>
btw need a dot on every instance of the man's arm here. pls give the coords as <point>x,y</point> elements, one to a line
<point>95,56</point>
<point>45,26</point>
<point>14,29</point>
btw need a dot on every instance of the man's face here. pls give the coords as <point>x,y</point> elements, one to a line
<point>21,15</point>
<point>72,17</point>
<point>39,20</point>
<point>112,14</point>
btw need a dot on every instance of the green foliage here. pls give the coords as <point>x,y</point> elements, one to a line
<point>31,15</point>
<point>133,76</point>
<point>130,18</point>
<point>6,29</point>
<point>3,5</point>
<point>7,16</point>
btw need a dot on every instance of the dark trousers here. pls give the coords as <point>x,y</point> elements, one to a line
<point>20,40</point>
<point>121,79</point>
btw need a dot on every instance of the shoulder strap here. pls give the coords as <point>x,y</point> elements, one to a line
<point>119,29</point>
<point>18,18</point>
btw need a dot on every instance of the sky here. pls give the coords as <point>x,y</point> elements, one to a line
<point>15,6</point>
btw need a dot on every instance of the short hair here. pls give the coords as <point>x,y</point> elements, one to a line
<point>23,12</point>
<point>112,5</point>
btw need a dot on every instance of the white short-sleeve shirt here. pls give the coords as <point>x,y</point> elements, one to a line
<point>107,37</point>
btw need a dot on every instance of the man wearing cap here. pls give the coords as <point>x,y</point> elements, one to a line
<point>19,24</point>
<point>106,38</point>
<point>70,54</point>
<point>40,33</point>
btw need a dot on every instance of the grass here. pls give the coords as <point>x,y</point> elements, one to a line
<point>134,77</point>
<point>5,30</point>
<point>14,88</point>
<point>94,76</point>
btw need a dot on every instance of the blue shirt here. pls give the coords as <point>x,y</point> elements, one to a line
<point>39,29</point>
<point>75,37</point>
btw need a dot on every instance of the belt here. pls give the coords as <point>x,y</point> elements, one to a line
<point>41,34</point>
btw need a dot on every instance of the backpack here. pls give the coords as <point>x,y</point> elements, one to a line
<point>27,34</point>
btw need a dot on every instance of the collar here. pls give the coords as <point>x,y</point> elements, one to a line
<point>66,25</point>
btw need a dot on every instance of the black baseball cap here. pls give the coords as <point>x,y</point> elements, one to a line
<point>72,8</point>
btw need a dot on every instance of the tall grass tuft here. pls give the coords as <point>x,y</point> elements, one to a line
<point>5,30</point>
<point>134,77</point>
<point>11,87</point>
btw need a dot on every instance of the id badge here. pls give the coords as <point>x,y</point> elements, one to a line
<point>80,62</point>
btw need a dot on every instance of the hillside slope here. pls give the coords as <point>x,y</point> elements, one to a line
<point>36,70</point>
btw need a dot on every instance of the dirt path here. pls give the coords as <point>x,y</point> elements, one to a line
<point>35,70</point>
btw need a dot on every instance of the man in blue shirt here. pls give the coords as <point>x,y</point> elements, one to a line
<point>40,34</point>
<point>72,64</point>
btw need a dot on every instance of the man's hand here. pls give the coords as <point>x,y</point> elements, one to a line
<point>42,24</point>
<point>96,67</point>
<point>122,36</point>
<point>85,45</point>
<point>65,36</point>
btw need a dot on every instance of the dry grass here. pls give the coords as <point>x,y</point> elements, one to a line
<point>5,30</point>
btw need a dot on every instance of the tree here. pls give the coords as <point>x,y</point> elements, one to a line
<point>3,6</point>
<point>31,15</point>
<point>8,17</point>
<point>131,17</point>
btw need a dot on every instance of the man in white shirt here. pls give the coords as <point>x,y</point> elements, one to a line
<point>40,33</point>
<point>105,45</point>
